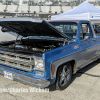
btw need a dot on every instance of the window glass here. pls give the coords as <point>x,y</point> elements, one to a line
<point>85,31</point>
<point>68,28</point>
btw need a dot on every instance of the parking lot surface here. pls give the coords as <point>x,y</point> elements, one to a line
<point>85,85</point>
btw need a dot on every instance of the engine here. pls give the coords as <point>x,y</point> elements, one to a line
<point>33,45</point>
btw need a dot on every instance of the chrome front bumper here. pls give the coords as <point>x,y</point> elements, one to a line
<point>26,79</point>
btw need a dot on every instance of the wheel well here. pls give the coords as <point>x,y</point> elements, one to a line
<point>72,63</point>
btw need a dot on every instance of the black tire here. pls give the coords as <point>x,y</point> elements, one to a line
<point>62,82</point>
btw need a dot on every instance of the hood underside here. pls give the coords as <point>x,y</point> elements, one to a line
<point>31,27</point>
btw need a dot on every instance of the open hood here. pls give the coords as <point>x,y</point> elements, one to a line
<point>31,27</point>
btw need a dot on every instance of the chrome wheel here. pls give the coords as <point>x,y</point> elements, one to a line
<point>64,76</point>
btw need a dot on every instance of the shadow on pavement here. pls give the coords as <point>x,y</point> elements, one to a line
<point>84,71</point>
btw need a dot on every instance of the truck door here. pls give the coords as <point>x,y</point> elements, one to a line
<point>88,43</point>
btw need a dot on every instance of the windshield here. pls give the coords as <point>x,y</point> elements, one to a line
<point>68,28</point>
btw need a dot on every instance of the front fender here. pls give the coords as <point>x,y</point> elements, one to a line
<point>60,62</point>
<point>61,55</point>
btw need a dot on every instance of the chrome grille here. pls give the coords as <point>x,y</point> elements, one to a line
<point>1,54</point>
<point>18,61</point>
<point>24,58</point>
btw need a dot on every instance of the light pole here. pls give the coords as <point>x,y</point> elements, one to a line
<point>29,4</point>
<point>6,2</point>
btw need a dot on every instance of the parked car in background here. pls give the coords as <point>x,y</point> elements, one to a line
<point>96,28</point>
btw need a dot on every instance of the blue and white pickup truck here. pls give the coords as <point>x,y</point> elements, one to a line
<point>47,52</point>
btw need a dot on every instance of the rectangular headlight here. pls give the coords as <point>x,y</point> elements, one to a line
<point>39,64</point>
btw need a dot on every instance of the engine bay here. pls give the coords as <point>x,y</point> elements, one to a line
<point>32,45</point>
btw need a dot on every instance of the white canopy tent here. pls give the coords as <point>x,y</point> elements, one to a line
<point>84,11</point>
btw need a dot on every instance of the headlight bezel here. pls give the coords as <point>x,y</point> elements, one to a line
<point>37,61</point>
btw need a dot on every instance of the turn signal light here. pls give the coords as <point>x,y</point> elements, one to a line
<point>53,69</point>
